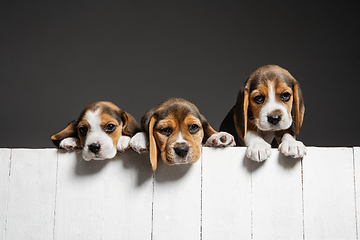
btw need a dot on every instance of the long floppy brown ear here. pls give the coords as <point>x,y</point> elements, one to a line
<point>208,130</point>
<point>299,107</point>
<point>241,112</point>
<point>130,126</point>
<point>69,131</point>
<point>153,146</point>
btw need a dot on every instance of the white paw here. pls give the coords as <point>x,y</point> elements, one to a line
<point>258,150</point>
<point>221,139</point>
<point>123,143</point>
<point>139,142</point>
<point>70,143</point>
<point>293,148</point>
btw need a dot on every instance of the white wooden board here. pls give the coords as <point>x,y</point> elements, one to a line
<point>277,198</point>
<point>177,202</point>
<point>5,155</point>
<point>108,199</point>
<point>31,198</point>
<point>357,186</point>
<point>329,196</point>
<point>51,194</point>
<point>226,194</point>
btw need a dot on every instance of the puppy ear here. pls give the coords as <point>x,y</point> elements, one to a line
<point>299,107</point>
<point>130,126</point>
<point>208,130</point>
<point>69,131</point>
<point>153,147</point>
<point>241,112</point>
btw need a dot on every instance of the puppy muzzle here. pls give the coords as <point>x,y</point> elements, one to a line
<point>182,152</point>
<point>98,151</point>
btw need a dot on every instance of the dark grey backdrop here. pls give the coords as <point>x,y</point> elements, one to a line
<point>58,56</point>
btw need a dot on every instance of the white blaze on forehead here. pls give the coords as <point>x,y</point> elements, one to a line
<point>180,139</point>
<point>94,121</point>
<point>271,103</point>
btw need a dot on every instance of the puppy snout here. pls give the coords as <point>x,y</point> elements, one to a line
<point>181,150</point>
<point>274,119</point>
<point>94,147</point>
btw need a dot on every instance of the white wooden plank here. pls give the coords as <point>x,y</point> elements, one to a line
<point>103,199</point>
<point>329,196</point>
<point>4,188</point>
<point>31,194</point>
<point>277,198</point>
<point>177,202</point>
<point>357,185</point>
<point>226,194</point>
<point>128,197</point>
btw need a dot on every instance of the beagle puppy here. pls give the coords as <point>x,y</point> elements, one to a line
<point>101,130</point>
<point>175,131</point>
<point>263,114</point>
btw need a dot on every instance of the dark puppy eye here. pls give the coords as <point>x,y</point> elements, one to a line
<point>193,128</point>
<point>259,99</point>
<point>166,131</point>
<point>83,131</point>
<point>110,128</point>
<point>285,96</point>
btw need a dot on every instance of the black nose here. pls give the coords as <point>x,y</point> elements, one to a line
<point>182,150</point>
<point>94,147</point>
<point>274,119</point>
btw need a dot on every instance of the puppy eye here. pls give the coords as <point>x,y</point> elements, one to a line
<point>193,128</point>
<point>110,128</point>
<point>259,99</point>
<point>166,131</point>
<point>83,131</point>
<point>285,96</point>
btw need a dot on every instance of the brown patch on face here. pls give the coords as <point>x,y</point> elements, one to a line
<point>284,95</point>
<point>107,123</point>
<point>83,130</point>
<point>258,97</point>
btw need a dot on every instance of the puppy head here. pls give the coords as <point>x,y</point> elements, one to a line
<point>267,100</point>
<point>99,128</point>
<point>176,129</point>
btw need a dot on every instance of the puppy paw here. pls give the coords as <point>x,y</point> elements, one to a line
<point>221,139</point>
<point>70,143</point>
<point>258,151</point>
<point>293,148</point>
<point>123,143</point>
<point>139,142</point>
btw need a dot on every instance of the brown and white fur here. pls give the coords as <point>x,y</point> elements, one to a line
<point>101,130</point>
<point>263,113</point>
<point>175,131</point>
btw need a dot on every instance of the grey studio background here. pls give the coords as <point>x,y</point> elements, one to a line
<point>56,57</point>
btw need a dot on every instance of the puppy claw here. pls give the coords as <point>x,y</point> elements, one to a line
<point>139,143</point>
<point>221,139</point>
<point>123,143</point>
<point>70,143</point>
